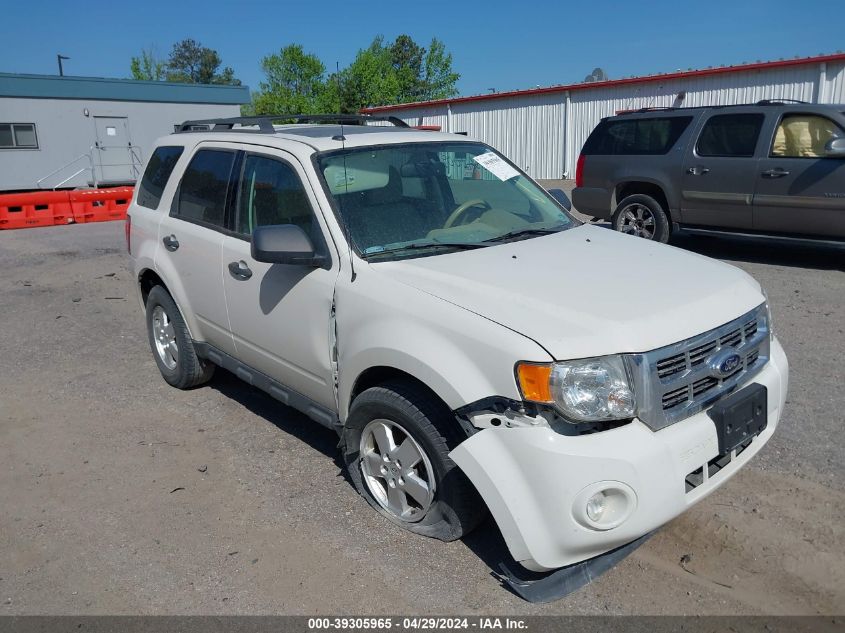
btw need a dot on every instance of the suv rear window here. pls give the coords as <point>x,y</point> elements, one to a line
<point>157,174</point>
<point>730,135</point>
<point>636,136</point>
<point>202,193</point>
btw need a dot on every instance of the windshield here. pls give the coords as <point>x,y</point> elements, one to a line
<point>427,198</point>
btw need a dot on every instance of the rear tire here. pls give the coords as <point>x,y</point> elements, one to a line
<point>642,216</point>
<point>171,344</point>
<point>442,503</point>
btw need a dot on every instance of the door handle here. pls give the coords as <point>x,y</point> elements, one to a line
<point>775,173</point>
<point>698,171</point>
<point>170,242</point>
<point>239,270</point>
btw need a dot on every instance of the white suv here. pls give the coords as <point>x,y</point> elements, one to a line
<point>473,345</point>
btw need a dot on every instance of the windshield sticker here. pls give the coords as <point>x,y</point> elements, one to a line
<point>496,166</point>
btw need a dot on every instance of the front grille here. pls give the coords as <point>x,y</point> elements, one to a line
<point>678,380</point>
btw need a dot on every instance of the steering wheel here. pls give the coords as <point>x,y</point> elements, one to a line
<point>461,210</point>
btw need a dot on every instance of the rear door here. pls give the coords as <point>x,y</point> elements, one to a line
<point>799,189</point>
<point>281,314</point>
<point>191,238</point>
<point>720,169</point>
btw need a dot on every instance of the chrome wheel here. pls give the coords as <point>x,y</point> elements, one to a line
<point>396,470</point>
<point>637,219</point>
<point>164,337</point>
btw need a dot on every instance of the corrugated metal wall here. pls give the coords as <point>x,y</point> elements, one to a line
<point>530,128</point>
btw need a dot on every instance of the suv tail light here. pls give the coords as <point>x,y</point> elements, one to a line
<point>579,171</point>
<point>127,229</point>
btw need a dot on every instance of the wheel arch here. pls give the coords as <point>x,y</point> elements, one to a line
<point>382,374</point>
<point>149,278</point>
<point>643,187</point>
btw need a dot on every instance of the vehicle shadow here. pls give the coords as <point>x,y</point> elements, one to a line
<point>771,251</point>
<point>759,250</point>
<point>281,416</point>
<point>486,541</point>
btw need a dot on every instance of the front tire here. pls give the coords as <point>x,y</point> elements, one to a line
<point>397,440</point>
<point>642,216</point>
<point>171,344</point>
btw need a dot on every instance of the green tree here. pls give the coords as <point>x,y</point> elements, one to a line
<point>190,62</point>
<point>370,80</point>
<point>438,79</point>
<point>147,67</point>
<point>295,83</point>
<point>381,74</point>
<point>407,59</point>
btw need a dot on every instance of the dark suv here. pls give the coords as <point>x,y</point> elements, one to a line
<point>775,167</point>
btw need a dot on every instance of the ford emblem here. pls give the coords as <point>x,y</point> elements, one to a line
<point>725,362</point>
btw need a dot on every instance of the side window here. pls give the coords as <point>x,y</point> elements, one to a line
<point>202,193</point>
<point>804,136</point>
<point>272,193</point>
<point>157,174</point>
<point>730,135</point>
<point>636,136</point>
<point>18,136</point>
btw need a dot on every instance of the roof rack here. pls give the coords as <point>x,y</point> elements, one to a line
<point>778,101</point>
<point>265,123</point>
<point>654,109</point>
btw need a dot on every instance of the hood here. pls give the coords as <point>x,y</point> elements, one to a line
<point>586,291</point>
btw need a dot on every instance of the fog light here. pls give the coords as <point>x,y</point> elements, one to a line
<point>595,506</point>
<point>604,505</point>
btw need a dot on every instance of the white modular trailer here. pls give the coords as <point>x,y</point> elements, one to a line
<point>65,132</point>
<point>543,130</point>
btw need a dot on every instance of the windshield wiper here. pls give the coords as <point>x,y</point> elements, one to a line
<point>526,231</point>
<point>425,246</point>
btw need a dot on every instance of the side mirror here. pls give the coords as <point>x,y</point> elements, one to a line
<point>561,197</point>
<point>835,148</point>
<point>284,244</point>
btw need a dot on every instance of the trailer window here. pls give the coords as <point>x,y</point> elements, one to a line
<point>18,136</point>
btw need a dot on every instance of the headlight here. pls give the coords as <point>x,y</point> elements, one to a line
<point>768,312</point>
<point>586,390</point>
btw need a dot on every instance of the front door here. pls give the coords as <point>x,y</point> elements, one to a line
<point>799,189</point>
<point>280,314</point>
<point>719,171</point>
<point>113,153</point>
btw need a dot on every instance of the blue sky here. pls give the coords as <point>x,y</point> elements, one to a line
<point>495,44</point>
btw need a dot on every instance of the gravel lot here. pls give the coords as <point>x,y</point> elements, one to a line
<point>121,495</point>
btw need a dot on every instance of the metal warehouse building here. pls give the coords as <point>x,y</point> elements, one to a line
<point>542,130</point>
<point>62,132</point>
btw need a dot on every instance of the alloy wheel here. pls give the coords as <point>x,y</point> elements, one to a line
<point>396,469</point>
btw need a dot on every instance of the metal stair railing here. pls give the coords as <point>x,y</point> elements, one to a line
<point>136,160</point>
<point>89,167</point>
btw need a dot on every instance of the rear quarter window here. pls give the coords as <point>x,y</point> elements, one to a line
<point>157,174</point>
<point>653,136</point>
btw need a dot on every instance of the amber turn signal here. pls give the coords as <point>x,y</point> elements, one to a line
<point>534,381</point>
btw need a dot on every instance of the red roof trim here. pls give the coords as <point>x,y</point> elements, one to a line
<point>618,82</point>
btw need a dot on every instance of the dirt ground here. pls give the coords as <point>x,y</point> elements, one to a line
<point>121,495</point>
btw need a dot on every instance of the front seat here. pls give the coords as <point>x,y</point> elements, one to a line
<point>384,216</point>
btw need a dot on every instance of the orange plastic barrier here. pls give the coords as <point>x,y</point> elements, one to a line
<point>100,205</point>
<point>37,208</point>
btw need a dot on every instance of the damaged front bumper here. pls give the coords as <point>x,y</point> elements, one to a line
<point>536,481</point>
